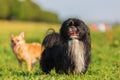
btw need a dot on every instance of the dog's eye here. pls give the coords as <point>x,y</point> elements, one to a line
<point>18,40</point>
<point>12,40</point>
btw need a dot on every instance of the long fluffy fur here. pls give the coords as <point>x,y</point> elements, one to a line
<point>69,50</point>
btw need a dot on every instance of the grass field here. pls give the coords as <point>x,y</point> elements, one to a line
<point>105,64</point>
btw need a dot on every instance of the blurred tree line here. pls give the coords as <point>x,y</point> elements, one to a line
<point>25,10</point>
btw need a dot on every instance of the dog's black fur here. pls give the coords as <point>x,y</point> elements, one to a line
<point>69,50</point>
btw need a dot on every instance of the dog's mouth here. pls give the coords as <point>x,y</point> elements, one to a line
<point>14,46</point>
<point>72,32</point>
<point>73,35</point>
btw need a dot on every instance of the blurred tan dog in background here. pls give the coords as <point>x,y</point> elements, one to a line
<point>30,53</point>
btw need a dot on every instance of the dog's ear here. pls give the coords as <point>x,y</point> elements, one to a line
<point>22,34</point>
<point>12,36</point>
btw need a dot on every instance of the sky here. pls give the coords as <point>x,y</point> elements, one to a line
<point>89,10</point>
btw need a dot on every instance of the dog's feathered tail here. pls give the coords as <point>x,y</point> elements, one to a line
<point>51,39</point>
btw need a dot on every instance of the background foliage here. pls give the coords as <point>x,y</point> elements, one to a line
<point>25,10</point>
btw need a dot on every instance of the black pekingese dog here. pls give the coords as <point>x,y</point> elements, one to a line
<point>69,50</point>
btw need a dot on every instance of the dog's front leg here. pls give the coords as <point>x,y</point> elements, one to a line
<point>28,65</point>
<point>20,64</point>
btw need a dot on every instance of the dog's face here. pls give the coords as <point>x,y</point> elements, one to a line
<point>17,40</point>
<point>73,29</point>
<point>72,32</point>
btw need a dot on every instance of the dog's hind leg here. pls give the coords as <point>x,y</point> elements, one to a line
<point>46,62</point>
<point>46,66</point>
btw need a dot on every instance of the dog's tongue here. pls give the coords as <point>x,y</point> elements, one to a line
<point>72,33</point>
<point>15,48</point>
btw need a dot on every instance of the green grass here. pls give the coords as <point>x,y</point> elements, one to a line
<point>105,64</point>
